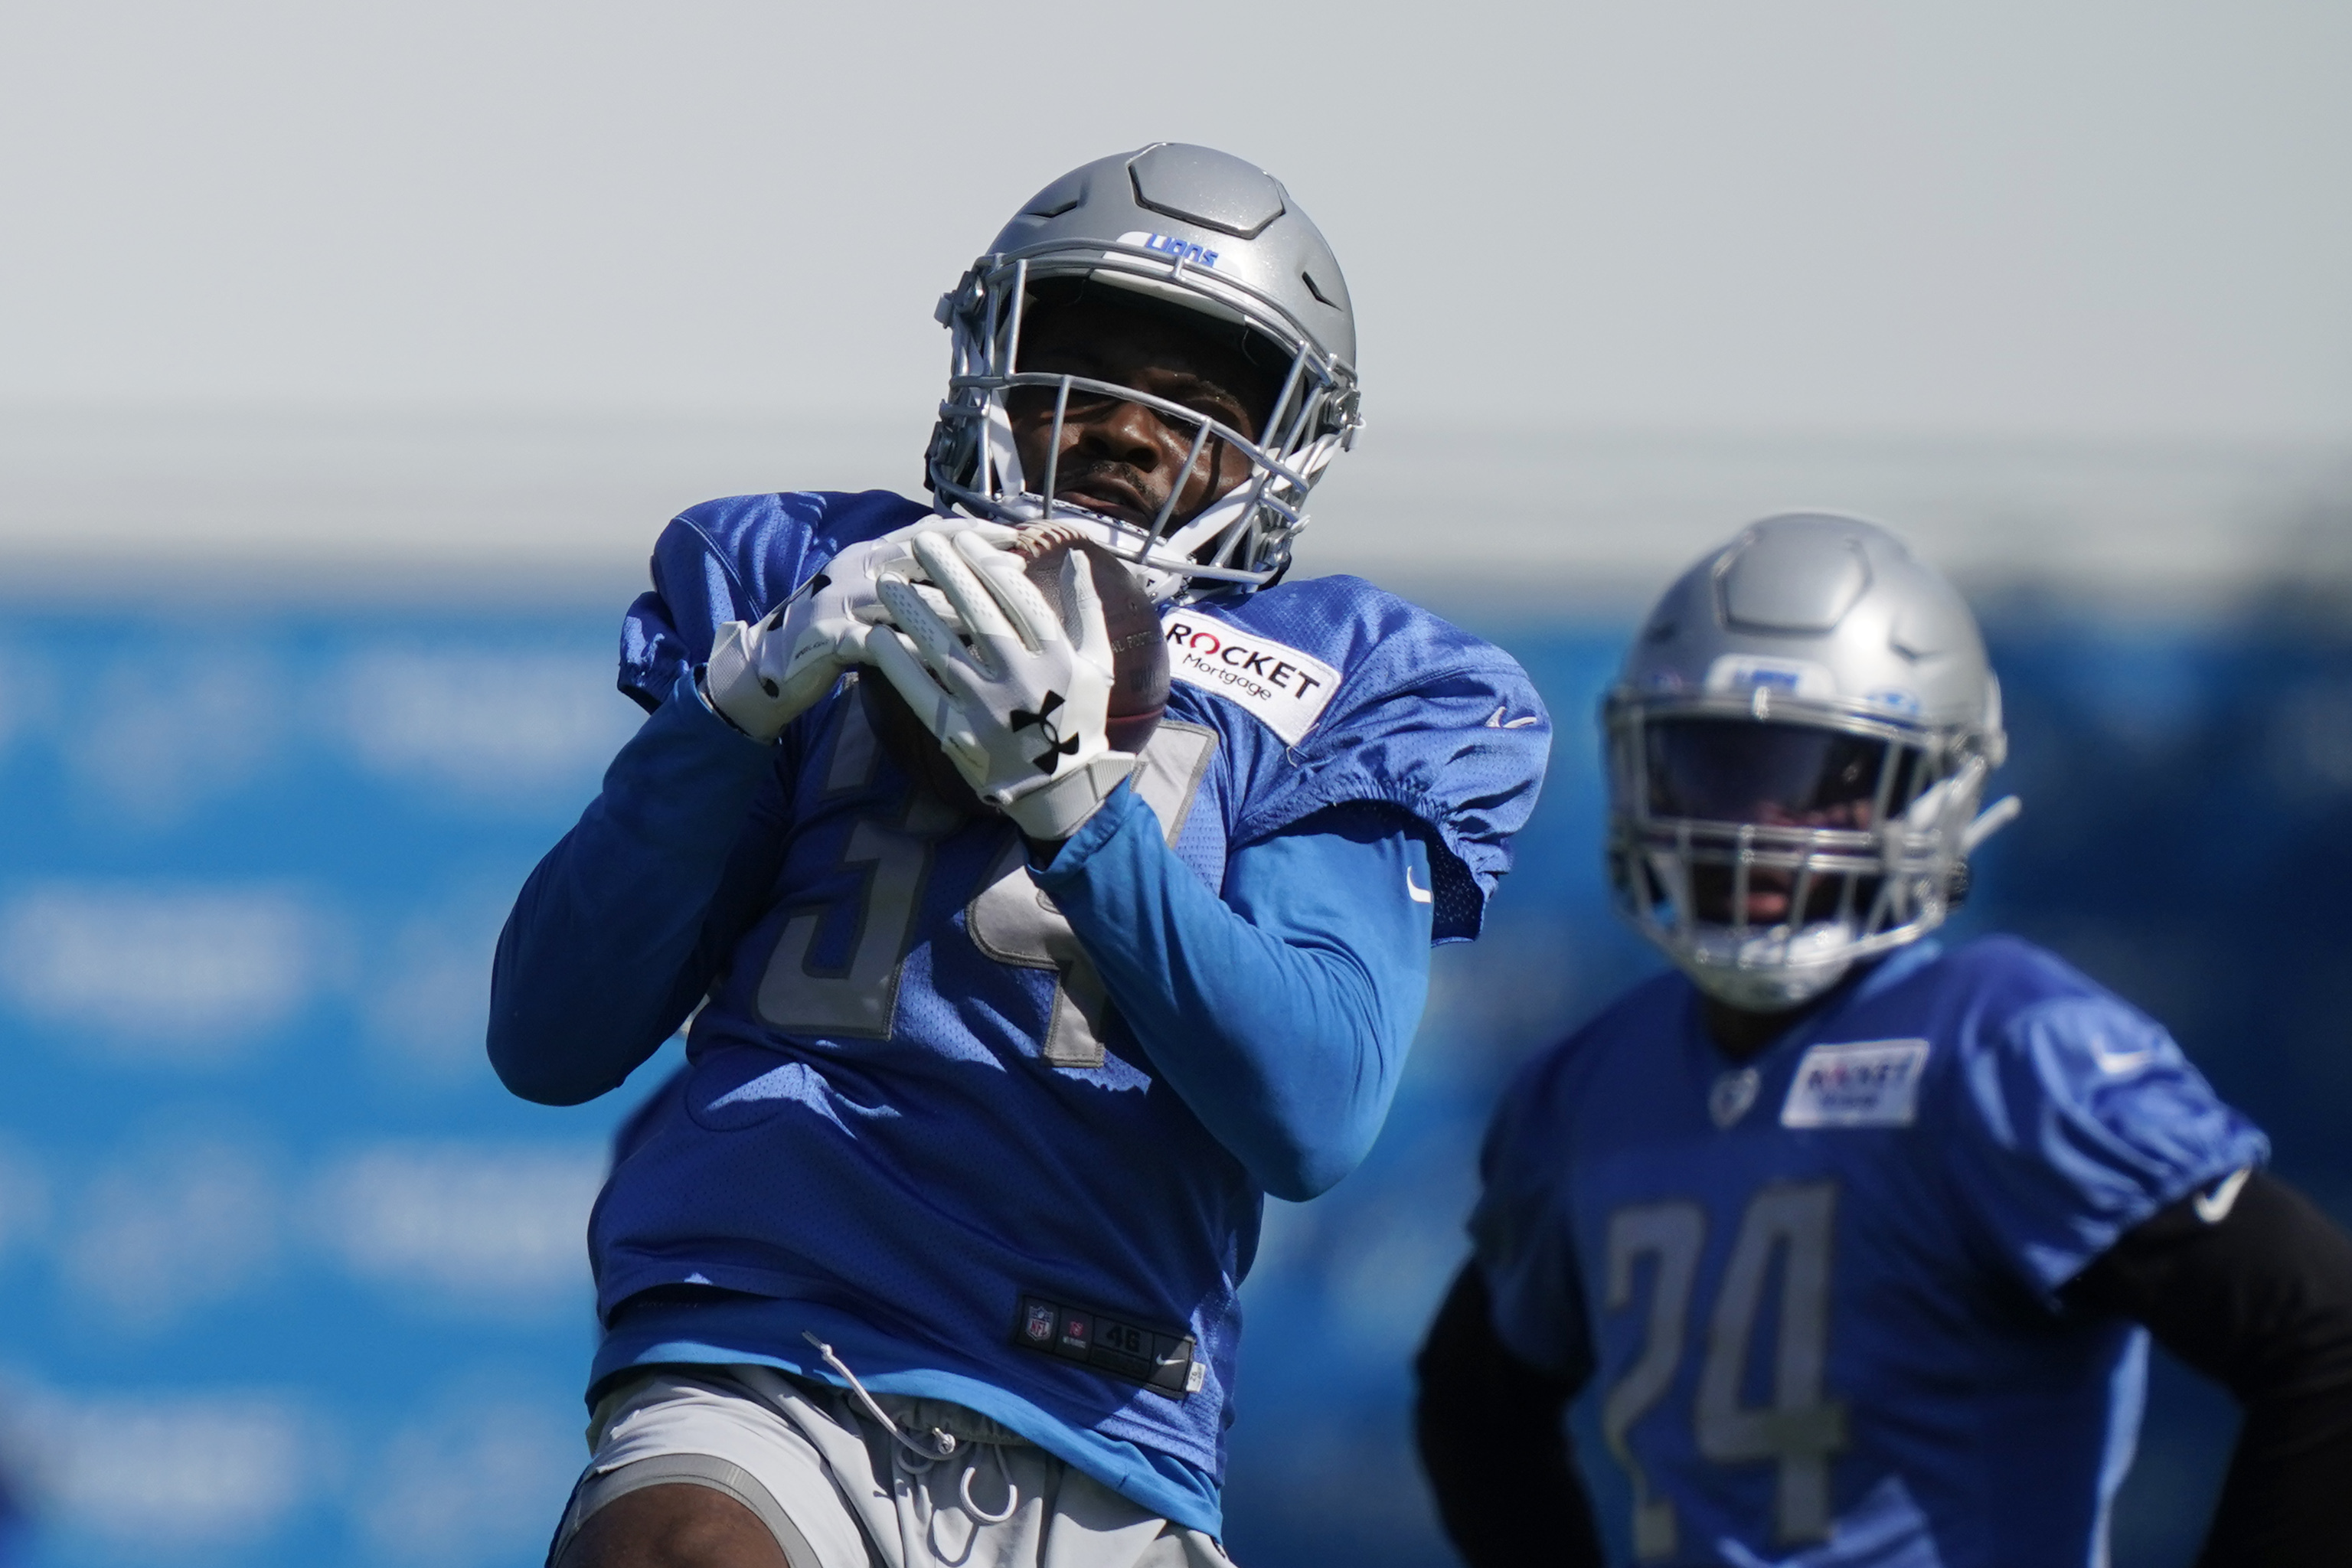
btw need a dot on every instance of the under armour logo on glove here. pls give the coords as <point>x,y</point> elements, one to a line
<point>1007,677</point>
<point>1057,747</point>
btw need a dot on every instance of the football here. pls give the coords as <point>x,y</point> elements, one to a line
<point>1138,693</point>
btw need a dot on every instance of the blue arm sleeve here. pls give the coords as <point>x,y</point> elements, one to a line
<point>610,942</point>
<point>1281,1012</point>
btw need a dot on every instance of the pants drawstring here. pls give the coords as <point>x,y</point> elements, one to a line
<point>943,1442</point>
<point>917,1456</point>
<point>1005,1473</point>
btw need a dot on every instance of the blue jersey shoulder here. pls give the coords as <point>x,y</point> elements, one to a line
<point>2069,1114</point>
<point>734,560</point>
<point>1383,646</point>
<point>1998,976</point>
<point>1338,691</point>
<point>2008,974</point>
<point>2006,1012</point>
<point>1553,1078</point>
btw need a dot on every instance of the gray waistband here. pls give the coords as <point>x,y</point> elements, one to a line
<point>958,1421</point>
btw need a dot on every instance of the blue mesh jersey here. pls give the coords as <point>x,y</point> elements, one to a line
<point>910,1123</point>
<point>1817,1295</point>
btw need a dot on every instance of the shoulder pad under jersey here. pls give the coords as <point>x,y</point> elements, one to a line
<point>2005,975</point>
<point>1357,695</point>
<point>1546,1087</point>
<point>2072,1116</point>
<point>735,559</point>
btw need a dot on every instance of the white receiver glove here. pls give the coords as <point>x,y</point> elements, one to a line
<point>763,674</point>
<point>1021,711</point>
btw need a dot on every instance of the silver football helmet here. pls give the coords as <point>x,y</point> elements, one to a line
<point>1796,750</point>
<point>1193,229</point>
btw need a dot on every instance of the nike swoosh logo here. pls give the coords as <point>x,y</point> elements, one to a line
<point>2118,1062</point>
<point>1494,720</point>
<point>1418,895</point>
<point>2213,1207</point>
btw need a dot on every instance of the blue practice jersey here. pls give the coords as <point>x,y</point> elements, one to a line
<point>1818,1293</point>
<point>911,1122</point>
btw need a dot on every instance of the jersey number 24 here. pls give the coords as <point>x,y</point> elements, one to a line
<point>1799,1429</point>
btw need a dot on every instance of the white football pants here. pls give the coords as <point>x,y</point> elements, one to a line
<point>837,1491</point>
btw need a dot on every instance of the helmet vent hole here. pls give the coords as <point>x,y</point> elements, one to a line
<point>1322,298</point>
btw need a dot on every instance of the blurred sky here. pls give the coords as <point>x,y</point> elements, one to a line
<point>1998,219</point>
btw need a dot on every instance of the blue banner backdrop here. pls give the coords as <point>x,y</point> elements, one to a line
<point>286,1279</point>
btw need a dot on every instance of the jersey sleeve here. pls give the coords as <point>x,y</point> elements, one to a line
<point>1427,718</point>
<point>1281,1013</point>
<point>1520,1233</point>
<point>2076,1121</point>
<point>735,559</point>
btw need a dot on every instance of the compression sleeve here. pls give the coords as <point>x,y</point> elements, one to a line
<point>1281,1012</point>
<point>2259,1297</point>
<point>1493,1437</point>
<point>613,937</point>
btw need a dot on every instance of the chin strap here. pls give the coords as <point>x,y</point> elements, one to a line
<point>1931,805</point>
<point>1989,821</point>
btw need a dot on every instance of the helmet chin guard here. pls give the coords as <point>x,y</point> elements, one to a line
<point>1796,748</point>
<point>1182,228</point>
<point>1771,971</point>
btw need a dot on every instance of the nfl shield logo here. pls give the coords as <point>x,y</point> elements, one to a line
<point>1039,1324</point>
<point>1733,1093</point>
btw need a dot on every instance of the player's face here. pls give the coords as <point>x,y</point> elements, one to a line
<point>1774,775</point>
<point>1124,459</point>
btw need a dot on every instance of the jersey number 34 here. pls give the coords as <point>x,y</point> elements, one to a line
<point>1008,918</point>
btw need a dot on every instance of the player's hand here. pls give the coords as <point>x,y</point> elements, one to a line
<point>1020,707</point>
<point>764,674</point>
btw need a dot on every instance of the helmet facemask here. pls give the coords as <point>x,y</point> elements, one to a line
<point>1767,855</point>
<point>1241,538</point>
